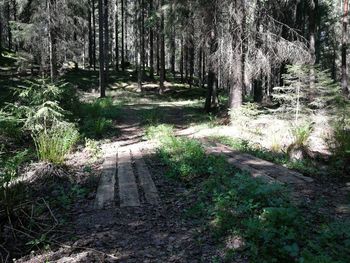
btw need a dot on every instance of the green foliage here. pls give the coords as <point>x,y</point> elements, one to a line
<point>341,143</point>
<point>297,96</point>
<point>10,125</point>
<point>304,166</point>
<point>159,132</point>
<point>9,166</point>
<point>184,157</point>
<point>96,117</point>
<point>97,128</point>
<point>93,148</point>
<point>152,117</point>
<point>245,113</point>
<point>331,244</point>
<point>261,214</point>
<point>301,134</point>
<point>54,144</point>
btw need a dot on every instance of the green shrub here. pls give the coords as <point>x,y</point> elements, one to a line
<point>185,157</point>
<point>100,108</point>
<point>97,117</point>
<point>331,244</point>
<point>341,143</point>
<point>272,228</point>
<point>301,134</point>
<point>10,126</point>
<point>97,128</point>
<point>54,144</point>
<point>152,117</point>
<point>159,132</point>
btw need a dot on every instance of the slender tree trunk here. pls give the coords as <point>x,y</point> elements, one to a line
<point>199,72</point>
<point>139,42</point>
<point>151,47</point>
<point>1,26</point>
<point>211,72</point>
<point>9,33</point>
<point>101,48</point>
<point>312,26</point>
<point>90,36</point>
<point>51,5</point>
<point>344,75</point>
<point>106,40</point>
<point>191,64</point>
<point>172,47</point>
<point>203,70</point>
<point>116,36</point>
<point>94,34</point>
<point>126,30</point>
<point>158,53</point>
<point>14,8</point>
<point>123,35</point>
<point>142,32</point>
<point>186,62</point>
<point>162,49</point>
<point>182,60</point>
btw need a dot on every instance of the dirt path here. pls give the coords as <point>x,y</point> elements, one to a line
<point>137,215</point>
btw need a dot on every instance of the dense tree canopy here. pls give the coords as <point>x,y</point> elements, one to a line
<point>241,47</point>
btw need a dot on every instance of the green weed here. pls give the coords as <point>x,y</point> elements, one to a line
<point>262,214</point>
<point>159,132</point>
<point>54,144</point>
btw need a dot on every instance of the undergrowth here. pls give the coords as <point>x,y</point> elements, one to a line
<point>304,166</point>
<point>234,205</point>
<point>97,117</point>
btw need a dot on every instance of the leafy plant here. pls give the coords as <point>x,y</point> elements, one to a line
<point>301,134</point>
<point>97,128</point>
<point>97,117</point>
<point>54,144</point>
<point>341,143</point>
<point>159,132</point>
<point>185,157</point>
<point>152,117</point>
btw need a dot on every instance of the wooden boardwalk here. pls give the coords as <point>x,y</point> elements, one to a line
<point>128,168</point>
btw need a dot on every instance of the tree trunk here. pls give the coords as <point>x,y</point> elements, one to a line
<point>116,33</point>
<point>211,74</point>
<point>139,42</point>
<point>106,41</point>
<point>51,5</point>
<point>203,69</point>
<point>101,48</point>
<point>94,26</point>
<point>236,92</point>
<point>14,7</point>
<point>142,34</point>
<point>90,35</point>
<point>162,49</point>
<point>344,75</point>
<point>182,60</point>
<point>123,35</point>
<point>312,26</point>
<point>199,73</point>
<point>126,30</point>
<point>173,49</point>
<point>158,53</point>
<point>9,33</point>
<point>151,51</point>
<point>1,26</point>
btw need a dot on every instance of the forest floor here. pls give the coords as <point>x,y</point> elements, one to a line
<point>75,230</point>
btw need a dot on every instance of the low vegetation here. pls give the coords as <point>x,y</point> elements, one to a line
<point>251,216</point>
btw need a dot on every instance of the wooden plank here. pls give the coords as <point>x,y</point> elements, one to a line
<point>146,182</point>
<point>105,190</point>
<point>128,192</point>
